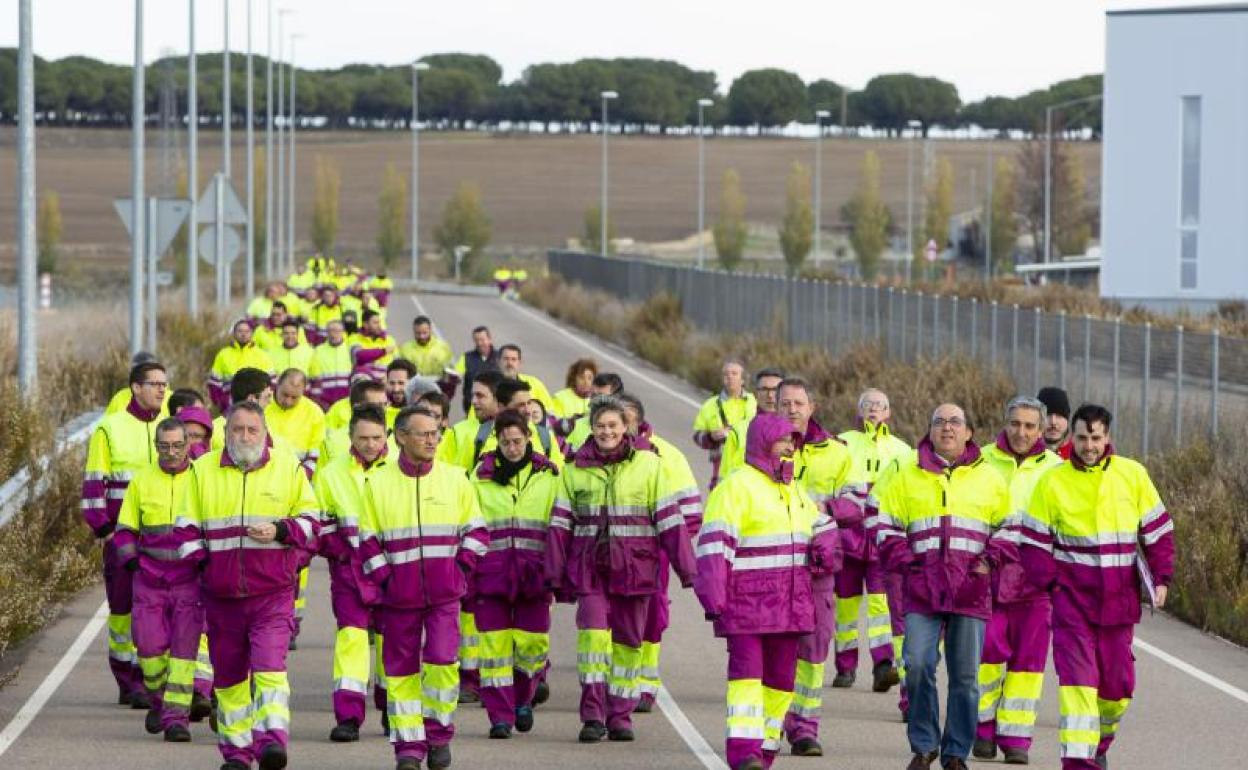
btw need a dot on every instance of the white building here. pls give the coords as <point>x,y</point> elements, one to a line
<point>1175,194</point>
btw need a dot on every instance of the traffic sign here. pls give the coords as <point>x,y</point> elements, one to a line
<point>164,278</point>
<point>170,214</point>
<point>208,245</point>
<point>206,209</point>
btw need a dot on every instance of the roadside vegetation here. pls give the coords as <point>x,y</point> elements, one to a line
<point>1203,486</point>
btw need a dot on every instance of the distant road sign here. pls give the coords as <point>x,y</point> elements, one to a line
<point>170,214</point>
<point>164,278</point>
<point>208,245</point>
<point>206,209</point>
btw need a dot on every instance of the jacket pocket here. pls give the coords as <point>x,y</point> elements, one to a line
<point>973,590</point>
<point>634,568</point>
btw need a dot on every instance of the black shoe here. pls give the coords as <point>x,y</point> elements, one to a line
<point>345,732</point>
<point>807,747</point>
<point>884,677</point>
<point>592,732</point>
<point>469,696</point>
<point>177,734</point>
<point>644,706</point>
<point>984,749</point>
<point>922,761</point>
<point>140,702</point>
<point>844,679</point>
<point>123,697</point>
<point>293,644</point>
<point>234,764</point>
<point>622,734</point>
<point>273,757</point>
<point>439,757</point>
<point>1102,761</point>
<point>753,763</point>
<point>385,726</point>
<point>201,707</point>
<point>500,731</point>
<point>151,722</point>
<point>1016,757</point>
<point>541,694</point>
<point>524,719</point>
<point>407,763</point>
<point>955,763</point>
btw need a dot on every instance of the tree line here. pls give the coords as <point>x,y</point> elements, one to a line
<point>460,89</point>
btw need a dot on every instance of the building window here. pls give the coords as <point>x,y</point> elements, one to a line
<point>1189,191</point>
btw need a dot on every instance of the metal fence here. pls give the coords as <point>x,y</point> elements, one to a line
<point>1164,386</point>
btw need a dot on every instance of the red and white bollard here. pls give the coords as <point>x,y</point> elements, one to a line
<point>45,291</point>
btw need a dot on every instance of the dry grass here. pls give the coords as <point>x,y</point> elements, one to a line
<point>1204,488</point>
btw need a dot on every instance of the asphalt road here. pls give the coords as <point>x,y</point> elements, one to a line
<point>1188,713</point>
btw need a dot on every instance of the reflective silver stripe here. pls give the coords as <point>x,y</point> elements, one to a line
<point>305,526</point>
<point>1152,514</point>
<point>626,530</point>
<point>919,525</point>
<point>966,544</point>
<point>750,732</point>
<point>348,684</point>
<point>975,525</point>
<point>669,522</point>
<point>153,530</point>
<point>746,563</point>
<point>474,545</point>
<point>413,734</point>
<point>93,476</point>
<point>1013,729</point>
<point>719,546</point>
<point>268,697</point>
<point>591,677</point>
<point>245,543</point>
<point>190,547</point>
<point>272,721</point>
<point>92,503</point>
<point>404,708</point>
<point>1157,534</point>
<point>1026,539</point>
<point>428,530</point>
<point>1099,539</point>
<point>1096,559</point>
<point>765,541</point>
<point>1020,704</point>
<point>415,554</point>
<point>718,525</point>
<point>585,530</point>
<point>1079,722</point>
<point>161,554</point>
<point>1078,750</point>
<point>926,544</point>
<point>806,692</point>
<point>590,658</point>
<point>521,543</point>
<point>374,563</point>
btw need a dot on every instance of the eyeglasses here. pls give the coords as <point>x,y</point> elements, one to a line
<point>427,434</point>
<point>952,422</point>
<point>165,446</point>
<point>158,384</point>
<point>873,405</point>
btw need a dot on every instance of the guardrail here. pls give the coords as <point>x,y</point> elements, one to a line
<point>18,490</point>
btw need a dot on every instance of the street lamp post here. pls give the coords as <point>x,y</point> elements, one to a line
<point>290,167</point>
<point>268,145</point>
<point>249,271</point>
<point>417,68</point>
<point>912,125</point>
<point>138,213</point>
<point>1048,167</point>
<point>192,171</point>
<point>702,105</point>
<point>27,342</point>
<point>603,238</point>
<point>279,202</point>
<point>819,116</point>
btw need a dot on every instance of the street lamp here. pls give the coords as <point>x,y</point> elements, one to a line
<point>912,125</point>
<point>279,204</point>
<point>290,167</point>
<point>1048,167</point>
<point>702,105</point>
<point>602,232</point>
<point>819,116</point>
<point>417,67</point>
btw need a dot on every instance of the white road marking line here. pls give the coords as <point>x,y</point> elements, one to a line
<point>39,698</point>
<point>1192,671</point>
<point>688,733</point>
<point>1156,652</point>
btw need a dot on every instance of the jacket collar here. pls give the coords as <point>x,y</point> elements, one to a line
<point>174,470</point>
<point>489,463</point>
<point>642,439</point>
<point>365,464</point>
<point>1003,443</point>
<point>1102,464</point>
<point>815,434</point>
<point>412,469</point>
<point>934,463</point>
<point>873,430</point>
<point>589,456</point>
<point>139,413</point>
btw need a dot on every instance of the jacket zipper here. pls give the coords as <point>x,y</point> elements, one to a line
<point>420,540</point>
<point>242,550</point>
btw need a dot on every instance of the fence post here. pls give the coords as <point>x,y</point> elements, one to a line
<point>1113,379</point>
<point>935,326</point>
<point>992,323</point>
<point>1087,356</point>
<point>1148,363</point>
<point>875,308</point>
<point>953,326</point>
<point>1214,385</point>
<point>1035,352</point>
<point>1178,385</point>
<point>892,316</point>
<point>905,300</point>
<point>974,327</point>
<point>918,332</point>
<point>1061,349</point>
<point>1014,348</point>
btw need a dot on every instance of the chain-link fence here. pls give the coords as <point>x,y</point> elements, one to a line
<point>1164,386</point>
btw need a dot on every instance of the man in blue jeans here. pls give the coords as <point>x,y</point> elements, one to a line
<point>942,525</point>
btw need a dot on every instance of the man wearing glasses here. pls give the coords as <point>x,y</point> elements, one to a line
<point>122,444</point>
<point>942,525</point>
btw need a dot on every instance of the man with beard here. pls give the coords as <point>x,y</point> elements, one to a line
<point>1057,424</point>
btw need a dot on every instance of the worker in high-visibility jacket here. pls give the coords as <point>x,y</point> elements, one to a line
<point>296,419</point>
<point>604,384</point>
<point>766,381</point>
<point>421,535</point>
<point>1016,640</point>
<point>502,279</point>
<point>260,307</point>
<point>328,308</point>
<point>250,520</point>
<point>338,440</point>
<point>291,352</point>
<point>431,354</point>
<point>120,446</point>
<point>465,442</point>
<point>381,286</point>
<point>610,520</point>
<point>121,399</point>
<point>330,369</point>
<point>762,542</point>
<point>720,412</point>
<point>823,468</point>
<point>372,349</point>
<point>516,395</point>
<point>267,333</point>
<point>340,490</point>
<point>944,522</point>
<point>872,446</point>
<point>516,489</point>
<point>682,487</point>
<point>168,617</point>
<point>1094,534</point>
<point>572,402</point>
<point>241,353</point>
<point>509,361</point>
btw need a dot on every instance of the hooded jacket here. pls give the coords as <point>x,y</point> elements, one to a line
<point>339,488</point>
<point>145,526</point>
<point>1088,533</point>
<point>1010,583</point>
<point>612,515</point>
<point>223,500</point>
<point>938,523</point>
<point>517,514</point>
<point>762,539</point>
<point>421,533</point>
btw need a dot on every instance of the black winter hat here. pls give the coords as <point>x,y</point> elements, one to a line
<point>1055,401</point>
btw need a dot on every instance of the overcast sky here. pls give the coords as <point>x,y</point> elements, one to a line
<point>1005,47</point>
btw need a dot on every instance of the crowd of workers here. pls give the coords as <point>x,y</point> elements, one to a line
<point>448,543</point>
